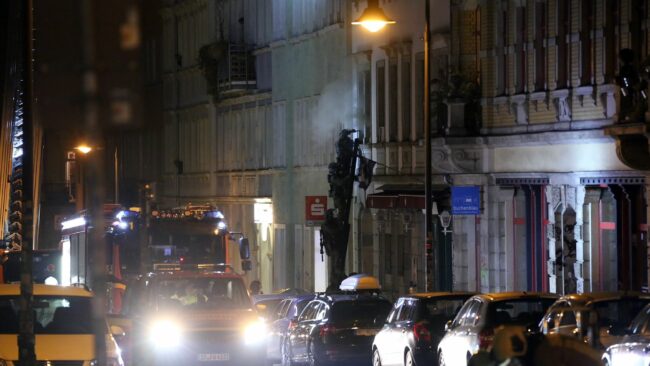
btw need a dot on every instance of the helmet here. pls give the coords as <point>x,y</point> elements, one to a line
<point>509,342</point>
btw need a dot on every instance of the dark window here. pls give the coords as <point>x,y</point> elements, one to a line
<point>585,42</point>
<point>297,308</point>
<point>367,103</point>
<point>637,33</point>
<point>471,317</point>
<point>359,313</point>
<point>53,315</point>
<point>518,312</point>
<point>540,50</point>
<point>406,99</point>
<point>309,312</point>
<point>402,242</point>
<point>407,311</point>
<point>502,81</point>
<point>393,90</point>
<point>619,313</point>
<point>419,96</point>
<point>364,97</point>
<point>458,320</point>
<point>563,19</point>
<point>520,49</point>
<point>392,316</point>
<point>439,311</point>
<point>568,318</point>
<point>611,51</point>
<point>381,101</point>
<point>388,253</point>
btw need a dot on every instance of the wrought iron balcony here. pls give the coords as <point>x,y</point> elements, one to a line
<point>229,68</point>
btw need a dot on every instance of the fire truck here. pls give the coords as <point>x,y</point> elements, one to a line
<point>136,243</point>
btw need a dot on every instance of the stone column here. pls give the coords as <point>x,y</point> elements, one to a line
<point>553,199</point>
<point>575,197</point>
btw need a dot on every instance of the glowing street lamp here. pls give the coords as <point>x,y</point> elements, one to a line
<point>84,149</point>
<point>373,18</point>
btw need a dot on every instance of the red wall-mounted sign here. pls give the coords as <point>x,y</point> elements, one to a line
<point>315,207</point>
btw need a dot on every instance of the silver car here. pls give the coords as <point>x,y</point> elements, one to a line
<point>634,348</point>
<point>473,327</point>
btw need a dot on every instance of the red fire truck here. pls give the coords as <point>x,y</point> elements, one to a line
<point>136,244</point>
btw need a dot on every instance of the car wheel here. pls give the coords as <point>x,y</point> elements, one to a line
<point>376,360</point>
<point>441,359</point>
<point>408,358</point>
<point>286,354</point>
<point>311,356</point>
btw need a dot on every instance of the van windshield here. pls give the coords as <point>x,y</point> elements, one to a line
<point>52,315</point>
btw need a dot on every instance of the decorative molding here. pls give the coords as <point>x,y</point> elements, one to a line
<point>562,105</point>
<point>587,181</point>
<point>519,108</point>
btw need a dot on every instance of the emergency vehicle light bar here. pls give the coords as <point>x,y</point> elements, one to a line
<point>170,267</point>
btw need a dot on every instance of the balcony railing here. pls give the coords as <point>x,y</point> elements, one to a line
<point>237,69</point>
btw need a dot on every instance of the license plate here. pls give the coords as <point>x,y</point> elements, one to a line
<point>366,332</point>
<point>211,357</point>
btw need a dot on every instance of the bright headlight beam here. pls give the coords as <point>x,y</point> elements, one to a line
<point>255,333</point>
<point>165,334</point>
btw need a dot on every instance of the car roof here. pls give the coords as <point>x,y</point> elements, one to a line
<point>515,295</point>
<point>13,289</point>
<point>604,296</point>
<point>336,297</point>
<point>431,295</point>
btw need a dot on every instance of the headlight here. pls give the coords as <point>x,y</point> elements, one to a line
<point>165,334</point>
<point>255,332</point>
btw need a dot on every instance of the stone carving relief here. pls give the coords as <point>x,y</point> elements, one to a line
<point>456,160</point>
<point>562,106</point>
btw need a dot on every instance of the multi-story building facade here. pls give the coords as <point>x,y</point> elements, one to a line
<point>560,211</point>
<point>523,94</point>
<point>242,82</point>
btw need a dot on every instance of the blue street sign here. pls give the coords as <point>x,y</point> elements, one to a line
<point>466,200</point>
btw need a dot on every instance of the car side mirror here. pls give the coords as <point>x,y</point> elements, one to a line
<point>244,249</point>
<point>448,325</point>
<point>117,331</point>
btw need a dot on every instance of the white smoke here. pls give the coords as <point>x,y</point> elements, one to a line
<point>334,111</point>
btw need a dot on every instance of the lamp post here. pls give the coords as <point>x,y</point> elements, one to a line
<point>374,19</point>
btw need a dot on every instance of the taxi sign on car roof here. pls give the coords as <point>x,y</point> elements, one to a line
<point>360,282</point>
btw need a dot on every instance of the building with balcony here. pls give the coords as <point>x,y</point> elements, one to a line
<point>560,211</point>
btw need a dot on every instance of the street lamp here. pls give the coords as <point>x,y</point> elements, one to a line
<point>84,149</point>
<point>374,19</point>
<point>87,149</point>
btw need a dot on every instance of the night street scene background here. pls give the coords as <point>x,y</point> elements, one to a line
<point>324,182</point>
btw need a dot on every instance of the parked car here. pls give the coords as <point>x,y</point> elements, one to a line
<point>634,347</point>
<point>414,328</point>
<point>473,327</point>
<point>266,303</point>
<point>615,311</point>
<point>62,326</point>
<point>282,318</point>
<point>336,328</point>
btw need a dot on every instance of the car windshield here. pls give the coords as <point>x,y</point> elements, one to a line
<point>360,313</point>
<point>439,311</point>
<point>52,315</point>
<point>202,293</point>
<point>619,313</point>
<point>518,311</point>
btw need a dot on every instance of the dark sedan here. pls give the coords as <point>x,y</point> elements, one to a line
<point>336,329</point>
<point>414,328</point>
<point>284,316</point>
